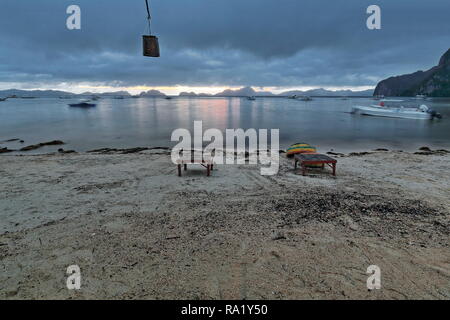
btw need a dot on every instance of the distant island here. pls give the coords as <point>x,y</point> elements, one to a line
<point>242,92</point>
<point>434,82</point>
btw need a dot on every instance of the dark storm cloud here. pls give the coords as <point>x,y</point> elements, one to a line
<point>221,42</point>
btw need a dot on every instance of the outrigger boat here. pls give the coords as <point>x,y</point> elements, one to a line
<point>420,113</point>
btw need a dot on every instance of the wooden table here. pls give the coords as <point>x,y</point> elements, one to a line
<point>202,160</point>
<point>306,159</point>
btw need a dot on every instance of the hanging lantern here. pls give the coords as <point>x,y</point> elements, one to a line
<point>150,43</point>
<point>151,46</point>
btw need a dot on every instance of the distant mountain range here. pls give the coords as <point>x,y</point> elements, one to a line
<point>330,93</point>
<point>243,92</point>
<point>434,82</point>
<point>152,93</point>
<point>249,91</point>
<point>57,94</point>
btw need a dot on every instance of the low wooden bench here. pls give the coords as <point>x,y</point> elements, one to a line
<point>306,159</point>
<point>191,159</point>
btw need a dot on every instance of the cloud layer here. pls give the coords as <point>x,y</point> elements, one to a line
<point>276,43</point>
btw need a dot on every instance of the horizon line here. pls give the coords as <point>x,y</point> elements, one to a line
<point>177,90</point>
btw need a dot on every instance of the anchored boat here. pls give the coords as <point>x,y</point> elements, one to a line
<point>420,113</point>
<point>84,104</point>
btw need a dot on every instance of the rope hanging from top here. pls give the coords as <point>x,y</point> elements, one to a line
<point>148,17</point>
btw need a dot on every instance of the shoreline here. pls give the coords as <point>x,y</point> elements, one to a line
<point>138,231</point>
<point>136,149</point>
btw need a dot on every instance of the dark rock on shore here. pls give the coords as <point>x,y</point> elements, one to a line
<point>134,150</point>
<point>358,154</point>
<point>335,153</point>
<point>381,149</point>
<point>125,151</point>
<point>61,150</point>
<point>10,140</point>
<point>42,144</point>
<point>5,150</point>
<point>428,152</point>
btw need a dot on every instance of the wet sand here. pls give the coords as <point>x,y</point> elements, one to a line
<point>138,231</point>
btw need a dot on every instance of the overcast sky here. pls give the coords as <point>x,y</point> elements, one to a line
<point>275,44</point>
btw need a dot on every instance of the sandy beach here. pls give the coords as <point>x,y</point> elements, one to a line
<point>138,231</point>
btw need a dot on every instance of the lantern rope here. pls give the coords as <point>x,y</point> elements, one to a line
<point>148,18</point>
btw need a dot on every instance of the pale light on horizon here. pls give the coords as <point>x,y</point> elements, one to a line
<point>169,90</point>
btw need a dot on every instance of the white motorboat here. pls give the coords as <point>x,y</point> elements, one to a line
<point>421,113</point>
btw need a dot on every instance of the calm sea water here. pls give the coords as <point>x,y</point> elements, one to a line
<point>323,122</point>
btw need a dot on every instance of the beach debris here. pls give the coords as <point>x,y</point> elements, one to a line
<point>275,254</point>
<point>133,150</point>
<point>335,153</point>
<point>42,144</point>
<point>349,222</point>
<point>126,151</point>
<point>358,154</point>
<point>10,140</point>
<point>172,237</point>
<point>61,150</point>
<point>277,235</point>
<point>427,151</point>
<point>5,150</point>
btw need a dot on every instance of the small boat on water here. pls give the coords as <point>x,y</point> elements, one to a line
<point>168,97</point>
<point>421,97</point>
<point>293,97</point>
<point>251,98</point>
<point>119,98</point>
<point>3,99</point>
<point>306,98</point>
<point>83,104</point>
<point>420,113</point>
